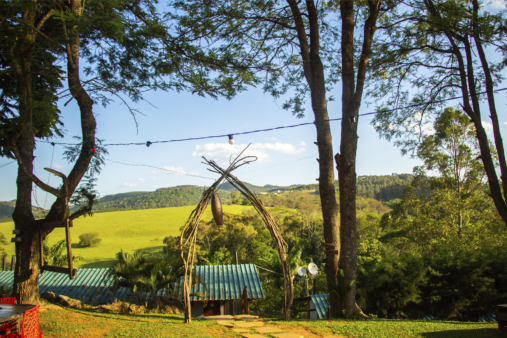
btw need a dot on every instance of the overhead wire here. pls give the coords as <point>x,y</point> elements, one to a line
<point>136,164</point>
<point>151,166</point>
<point>7,164</point>
<point>49,174</point>
<point>276,165</point>
<point>148,143</point>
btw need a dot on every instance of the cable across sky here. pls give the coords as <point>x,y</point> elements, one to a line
<point>149,143</point>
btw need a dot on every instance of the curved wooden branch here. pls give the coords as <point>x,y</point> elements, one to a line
<point>190,229</point>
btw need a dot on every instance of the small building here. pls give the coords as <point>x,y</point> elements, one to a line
<point>223,288</point>
<point>319,303</point>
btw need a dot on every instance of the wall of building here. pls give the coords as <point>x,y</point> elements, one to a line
<point>197,308</point>
<point>312,314</point>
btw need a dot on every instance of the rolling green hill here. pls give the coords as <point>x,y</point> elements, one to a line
<point>128,230</point>
<point>7,208</point>
<point>183,195</point>
<point>382,188</point>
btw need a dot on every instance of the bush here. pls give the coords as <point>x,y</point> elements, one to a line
<point>89,239</point>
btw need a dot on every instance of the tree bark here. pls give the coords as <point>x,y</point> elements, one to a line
<point>26,287</point>
<point>352,92</point>
<point>314,74</point>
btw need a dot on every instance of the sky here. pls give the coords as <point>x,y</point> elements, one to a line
<point>285,156</point>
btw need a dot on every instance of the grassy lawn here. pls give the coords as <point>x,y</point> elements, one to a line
<point>63,322</point>
<point>130,230</point>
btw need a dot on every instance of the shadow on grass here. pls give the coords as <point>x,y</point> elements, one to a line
<point>127,318</point>
<point>479,333</point>
<point>105,263</point>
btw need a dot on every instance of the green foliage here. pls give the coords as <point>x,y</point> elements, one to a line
<point>143,272</point>
<point>340,288</point>
<point>440,254</point>
<point>383,188</point>
<point>89,239</point>
<point>161,198</point>
<point>55,254</point>
<point>7,208</point>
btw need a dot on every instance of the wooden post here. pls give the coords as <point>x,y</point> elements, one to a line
<point>13,262</point>
<point>41,250</point>
<point>5,263</point>
<point>501,317</point>
<point>69,250</point>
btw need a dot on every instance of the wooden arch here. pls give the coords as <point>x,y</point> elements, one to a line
<point>189,233</point>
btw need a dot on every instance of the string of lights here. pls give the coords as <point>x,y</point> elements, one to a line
<point>230,135</point>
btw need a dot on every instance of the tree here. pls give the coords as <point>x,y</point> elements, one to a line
<point>353,72</point>
<point>294,45</point>
<point>282,39</point>
<point>440,50</point>
<point>453,151</point>
<point>89,239</point>
<point>121,42</point>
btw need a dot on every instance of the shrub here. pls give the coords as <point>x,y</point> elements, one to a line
<point>89,239</point>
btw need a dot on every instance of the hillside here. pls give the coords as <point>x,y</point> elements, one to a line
<point>129,230</point>
<point>183,195</point>
<point>382,188</point>
<point>7,208</point>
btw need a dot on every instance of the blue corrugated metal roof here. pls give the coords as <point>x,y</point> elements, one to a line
<point>88,284</point>
<point>227,281</point>
<point>222,282</point>
<point>321,302</point>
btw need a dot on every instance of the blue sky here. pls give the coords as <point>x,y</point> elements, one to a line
<point>182,115</point>
<point>286,156</point>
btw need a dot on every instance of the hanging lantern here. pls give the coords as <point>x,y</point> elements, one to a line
<point>216,209</point>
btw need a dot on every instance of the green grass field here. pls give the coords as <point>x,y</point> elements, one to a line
<point>127,230</point>
<point>59,322</point>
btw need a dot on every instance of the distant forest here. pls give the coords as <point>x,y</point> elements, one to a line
<point>382,188</point>
<point>7,208</point>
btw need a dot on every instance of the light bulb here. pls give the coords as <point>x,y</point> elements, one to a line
<point>231,140</point>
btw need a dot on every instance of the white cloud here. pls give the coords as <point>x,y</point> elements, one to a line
<point>194,173</point>
<point>274,139</point>
<point>505,122</point>
<point>57,166</point>
<point>129,185</point>
<point>141,179</point>
<point>303,143</point>
<point>222,152</point>
<point>496,4</point>
<point>488,127</point>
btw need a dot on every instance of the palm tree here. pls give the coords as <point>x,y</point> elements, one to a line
<point>145,274</point>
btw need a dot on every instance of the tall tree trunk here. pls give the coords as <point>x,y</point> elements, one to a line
<point>352,92</point>
<point>314,74</point>
<point>26,287</point>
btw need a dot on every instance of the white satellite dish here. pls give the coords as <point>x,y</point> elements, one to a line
<point>313,268</point>
<point>301,271</point>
